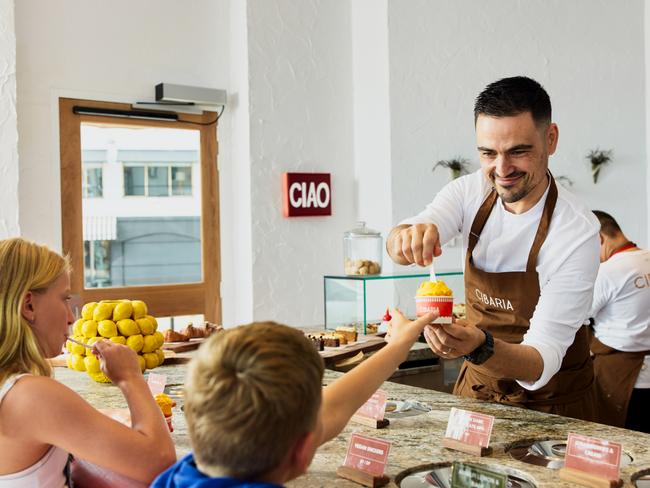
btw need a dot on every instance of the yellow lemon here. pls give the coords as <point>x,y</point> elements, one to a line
<point>122,310</point>
<point>107,328</point>
<point>160,339</point>
<point>161,356</point>
<point>87,310</point>
<point>153,321</point>
<point>99,377</point>
<point>92,364</point>
<point>135,342</point>
<point>150,359</point>
<point>128,327</point>
<point>103,311</point>
<point>146,326</point>
<point>139,309</point>
<point>76,348</point>
<point>77,361</point>
<point>118,340</point>
<point>143,364</point>
<point>89,328</point>
<point>68,361</point>
<point>76,327</point>
<point>90,342</point>
<point>68,346</point>
<point>149,344</point>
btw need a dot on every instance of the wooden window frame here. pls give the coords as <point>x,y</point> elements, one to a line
<point>163,300</point>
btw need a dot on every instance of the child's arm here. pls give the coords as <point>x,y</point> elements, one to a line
<point>343,398</point>
<point>40,410</point>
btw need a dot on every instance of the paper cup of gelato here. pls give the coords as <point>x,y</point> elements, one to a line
<point>166,403</point>
<point>435,296</point>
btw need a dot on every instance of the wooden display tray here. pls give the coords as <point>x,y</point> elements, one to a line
<point>468,448</point>
<point>185,346</point>
<point>368,343</point>
<point>587,479</point>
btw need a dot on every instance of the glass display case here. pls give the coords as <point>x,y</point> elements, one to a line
<point>360,300</point>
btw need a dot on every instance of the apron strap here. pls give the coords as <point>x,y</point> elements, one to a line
<point>479,221</point>
<point>544,224</point>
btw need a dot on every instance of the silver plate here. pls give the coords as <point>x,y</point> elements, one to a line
<point>439,476</point>
<point>547,453</point>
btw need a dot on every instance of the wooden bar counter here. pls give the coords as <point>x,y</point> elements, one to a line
<point>415,440</point>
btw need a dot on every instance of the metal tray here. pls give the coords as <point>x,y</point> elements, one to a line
<point>547,453</point>
<point>439,475</point>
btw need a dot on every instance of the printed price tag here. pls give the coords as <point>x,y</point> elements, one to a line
<point>473,476</point>
<point>375,407</point>
<point>367,454</point>
<point>469,427</point>
<point>156,383</point>
<point>594,456</point>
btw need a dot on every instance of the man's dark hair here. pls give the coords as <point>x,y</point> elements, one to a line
<point>514,96</point>
<point>608,224</point>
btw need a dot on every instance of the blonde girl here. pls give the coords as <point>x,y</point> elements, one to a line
<point>42,421</point>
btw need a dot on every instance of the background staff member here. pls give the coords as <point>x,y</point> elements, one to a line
<point>530,263</point>
<point>621,313</point>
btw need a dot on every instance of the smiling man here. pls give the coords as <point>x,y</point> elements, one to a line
<point>531,259</point>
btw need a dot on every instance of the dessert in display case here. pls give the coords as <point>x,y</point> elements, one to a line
<point>360,301</point>
<point>362,251</point>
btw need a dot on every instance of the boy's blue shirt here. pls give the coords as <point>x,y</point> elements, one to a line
<point>185,474</point>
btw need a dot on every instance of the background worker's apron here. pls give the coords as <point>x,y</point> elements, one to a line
<point>616,373</point>
<point>503,303</point>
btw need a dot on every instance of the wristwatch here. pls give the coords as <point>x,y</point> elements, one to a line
<point>483,352</point>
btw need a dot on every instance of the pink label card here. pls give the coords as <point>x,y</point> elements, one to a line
<point>594,456</point>
<point>367,454</point>
<point>375,407</point>
<point>469,427</point>
<point>156,383</point>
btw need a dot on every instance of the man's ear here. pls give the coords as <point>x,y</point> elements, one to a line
<point>602,239</point>
<point>553,134</point>
<point>27,308</point>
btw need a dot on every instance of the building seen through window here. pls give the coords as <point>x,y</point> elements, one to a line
<point>141,206</point>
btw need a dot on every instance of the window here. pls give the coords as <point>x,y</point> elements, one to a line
<point>92,180</point>
<point>156,180</point>
<point>164,251</point>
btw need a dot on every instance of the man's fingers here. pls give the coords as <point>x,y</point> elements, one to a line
<point>430,242</point>
<point>425,320</point>
<point>447,341</point>
<point>432,341</point>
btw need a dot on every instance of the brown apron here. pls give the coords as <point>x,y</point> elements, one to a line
<point>616,373</point>
<point>503,304</point>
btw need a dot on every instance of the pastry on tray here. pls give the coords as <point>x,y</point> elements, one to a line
<point>173,336</point>
<point>350,333</point>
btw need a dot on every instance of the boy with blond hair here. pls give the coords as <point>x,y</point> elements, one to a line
<point>256,410</point>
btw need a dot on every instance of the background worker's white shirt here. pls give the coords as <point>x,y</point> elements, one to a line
<point>567,263</point>
<point>621,306</point>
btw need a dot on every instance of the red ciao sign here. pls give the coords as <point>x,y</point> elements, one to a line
<point>306,194</point>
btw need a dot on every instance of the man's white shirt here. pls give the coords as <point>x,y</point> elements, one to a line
<point>567,264</point>
<point>621,306</point>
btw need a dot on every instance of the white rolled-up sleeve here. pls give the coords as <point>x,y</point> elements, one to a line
<point>564,303</point>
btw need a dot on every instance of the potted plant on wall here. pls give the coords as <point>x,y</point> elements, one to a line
<point>458,166</point>
<point>598,158</point>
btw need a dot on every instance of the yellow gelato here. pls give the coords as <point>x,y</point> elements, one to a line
<point>165,403</point>
<point>433,289</point>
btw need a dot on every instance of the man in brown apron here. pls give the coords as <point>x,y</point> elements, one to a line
<point>621,340</point>
<point>530,263</point>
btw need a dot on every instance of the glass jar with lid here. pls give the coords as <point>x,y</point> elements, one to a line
<point>362,251</point>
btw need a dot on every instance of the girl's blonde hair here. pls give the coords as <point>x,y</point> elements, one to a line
<point>24,266</point>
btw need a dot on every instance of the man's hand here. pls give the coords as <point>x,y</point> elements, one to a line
<point>417,243</point>
<point>453,340</point>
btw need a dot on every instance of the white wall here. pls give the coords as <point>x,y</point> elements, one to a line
<point>300,120</point>
<point>8,133</point>
<point>588,54</point>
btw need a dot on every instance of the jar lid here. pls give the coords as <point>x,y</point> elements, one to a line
<point>362,231</point>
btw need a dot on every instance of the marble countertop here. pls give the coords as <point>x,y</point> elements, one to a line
<point>415,440</point>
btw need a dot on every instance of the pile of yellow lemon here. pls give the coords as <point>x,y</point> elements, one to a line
<point>121,321</point>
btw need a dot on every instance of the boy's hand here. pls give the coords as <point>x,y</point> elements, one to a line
<point>453,340</point>
<point>118,362</point>
<point>404,331</point>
